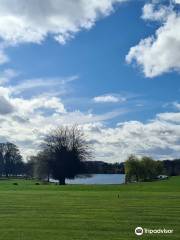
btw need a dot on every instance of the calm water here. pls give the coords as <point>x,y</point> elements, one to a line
<point>98,179</point>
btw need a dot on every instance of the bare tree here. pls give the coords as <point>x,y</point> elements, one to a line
<point>66,148</point>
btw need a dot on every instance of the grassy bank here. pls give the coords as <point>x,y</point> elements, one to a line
<point>49,212</point>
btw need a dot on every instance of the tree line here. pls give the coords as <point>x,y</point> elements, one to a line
<point>147,169</point>
<point>62,155</point>
<point>100,167</point>
<point>65,153</point>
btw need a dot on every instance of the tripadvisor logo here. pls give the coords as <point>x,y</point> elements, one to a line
<point>140,231</point>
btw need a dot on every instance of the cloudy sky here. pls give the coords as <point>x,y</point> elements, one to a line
<point>111,66</point>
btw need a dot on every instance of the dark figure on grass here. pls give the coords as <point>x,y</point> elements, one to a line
<point>64,152</point>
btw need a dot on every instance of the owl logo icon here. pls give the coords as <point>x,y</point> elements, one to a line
<point>139,231</point>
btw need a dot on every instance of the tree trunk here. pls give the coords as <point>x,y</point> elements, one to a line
<point>62,181</point>
<point>48,177</point>
<point>137,178</point>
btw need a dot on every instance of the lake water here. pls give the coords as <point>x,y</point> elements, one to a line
<point>98,179</point>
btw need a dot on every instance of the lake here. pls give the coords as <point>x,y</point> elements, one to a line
<point>97,179</point>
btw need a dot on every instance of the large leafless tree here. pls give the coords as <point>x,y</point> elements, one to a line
<point>65,150</point>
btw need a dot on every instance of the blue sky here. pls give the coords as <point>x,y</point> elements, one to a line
<point>103,71</point>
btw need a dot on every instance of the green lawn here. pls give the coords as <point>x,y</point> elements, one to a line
<point>49,212</point>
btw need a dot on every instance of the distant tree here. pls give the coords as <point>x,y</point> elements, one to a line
<point>151,168</point>
<point>63,154</point>
<point>10,160</point>
<point>1,159</point>
<point>30,167</point>
<point>144,169</point>
<point>172,167</point>
<point>100,167</point>
<point>42,165</point>
<point>133,169</point>
<point>159,168</point>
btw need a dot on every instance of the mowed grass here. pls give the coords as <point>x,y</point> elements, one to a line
<point>51,212</point>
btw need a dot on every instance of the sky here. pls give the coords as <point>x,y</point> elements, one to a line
<point>110,66</point>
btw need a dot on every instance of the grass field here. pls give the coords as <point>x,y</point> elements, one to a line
<point>50,212</point>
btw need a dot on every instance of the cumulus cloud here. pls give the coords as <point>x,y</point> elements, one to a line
<point>32,20</point>
<point>108,99</point>
<point>159,138</point>
<point>29,106</point>
<point>150,12</point>
<point>26,121</point>
<point>170,117</point>
<point>159,53</point>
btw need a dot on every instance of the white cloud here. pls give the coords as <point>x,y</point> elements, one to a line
<point>32,20</point>
<point>26,121</point>
<point>159,138</point>
<point>170,116</point>
<point>160,53</point>
<point>176,105</point>
<point>4,91</point>
<point>7,75</point>
<point>108,99</point>
<point>29,106</point>
<point>160,14</point>
<point>42,83</point>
